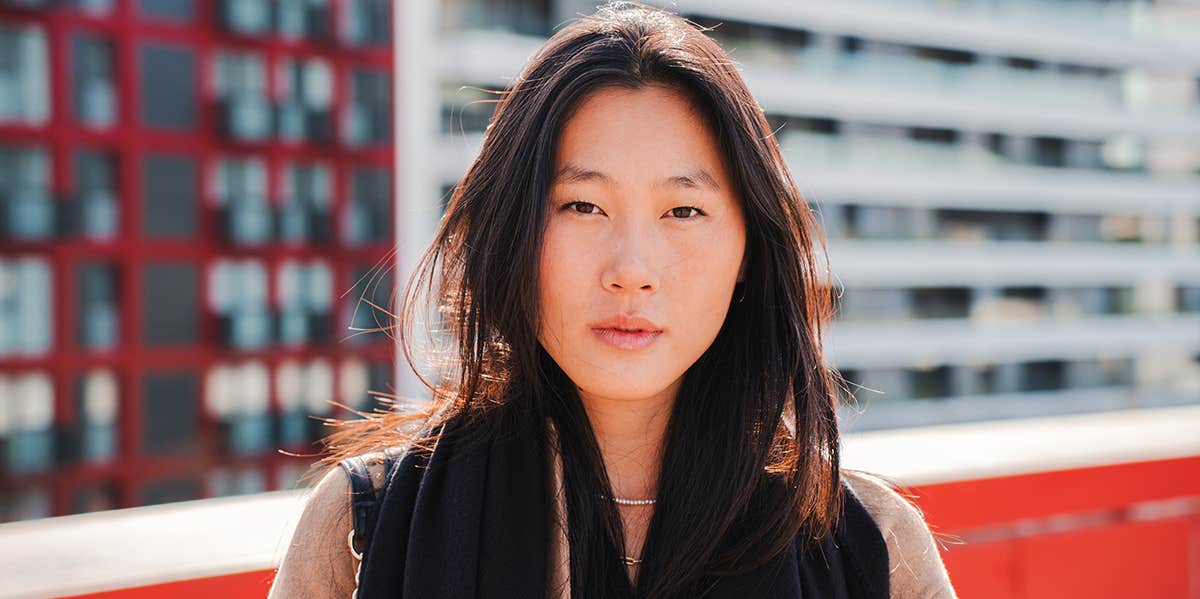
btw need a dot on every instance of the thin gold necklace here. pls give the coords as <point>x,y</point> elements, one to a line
<point>629,560</point>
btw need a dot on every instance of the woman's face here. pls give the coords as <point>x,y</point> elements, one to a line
<point>643,223</point>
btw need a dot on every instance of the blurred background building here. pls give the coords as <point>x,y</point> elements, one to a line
<point>195,196</point>
<point>194,199</point>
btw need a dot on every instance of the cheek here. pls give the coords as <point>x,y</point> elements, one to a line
<point>702,283</point>
<point>561,273</point>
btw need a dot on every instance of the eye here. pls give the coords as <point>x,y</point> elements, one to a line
<point>569,204</point>
<point>680,211</point>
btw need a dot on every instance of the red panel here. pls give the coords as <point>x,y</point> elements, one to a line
<point>995,501</point>
<point>983,570</point>
<point>232,586</point>
<point>1137,559</point>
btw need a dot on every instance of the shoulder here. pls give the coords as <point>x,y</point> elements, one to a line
<point>317,561</point>
<point>916,566</point>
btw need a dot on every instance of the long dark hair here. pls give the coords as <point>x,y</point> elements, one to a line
<point>754,428</point>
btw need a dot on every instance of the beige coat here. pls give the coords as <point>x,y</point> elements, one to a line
<point>318,563</point>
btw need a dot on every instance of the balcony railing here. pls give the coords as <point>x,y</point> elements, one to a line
<point>1098,505</point>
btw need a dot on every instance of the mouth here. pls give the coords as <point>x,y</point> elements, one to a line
<point>626,339</point>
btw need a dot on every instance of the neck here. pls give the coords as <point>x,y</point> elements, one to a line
<point>631,434</point>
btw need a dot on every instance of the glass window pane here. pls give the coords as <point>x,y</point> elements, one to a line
<point>97,312</point>
<point>97,402</point>
<point>170,413</point>
<point>179,10</point>
<point>94,498</point>
<point>96,7</point>
<point>364,323</point>
<point>92,211</point>
<point>29,420</point>
<point>24,504</point>
<point>369,209</point>
<point>367,22</point>
<point>169,491</point>
<point>26,306</point>
<point>225,482</point>
<point>368,117</point>
<point>24,75</point>
<point>246,16</point>
<point>94,80</point>
<point>243,109</point>
<point>168,91</point>
<point>171,306</point>
<point>26,207</point>
<point>169,190</point>
<point>304,18</point>
<point>240,191</point>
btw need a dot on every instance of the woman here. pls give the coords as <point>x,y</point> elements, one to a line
<point>627,278</point>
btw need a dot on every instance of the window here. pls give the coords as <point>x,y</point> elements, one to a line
<point>92,210</point>
<point>170,413</point>
<point>941,302</point>
<point>97,400</point>
<point>304,208</point>
<point>168,89</point>
<point>305,100</point>
<point>26,208</point>
<point>1043,375</point>
<point>26,306</point>
<point>1187,298</point>
<point>97,309</point>
<point>368,114</point>
<point>245,16</point>
<point>929,383</point>
<point>466,109</point>
<point>24,75</point>
<point>528,17</point>
<point>304,390</point>
<point>169,490</point>
<point>243,109</point>
<point>169,310</point>
<point>367,22</point>
<point>238,295</point>
<point>94,498</point>
<point>94,81</point>
<point>175,10</point>
<point>26,504</point>
<point>304,18</point>
<point>225,482</point>
<point>28,423</point>
<point>236,397</point>
<point>305,298</point>
<point>362,320</point>
<point>369,207</point>
<point>241,197</point>
<point>169,189</point>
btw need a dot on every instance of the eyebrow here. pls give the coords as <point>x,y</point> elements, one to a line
<point>697,178</point>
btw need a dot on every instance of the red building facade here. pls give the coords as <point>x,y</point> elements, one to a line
<point>195,214</point>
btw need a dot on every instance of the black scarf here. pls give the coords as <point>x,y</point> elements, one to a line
<point>470,521</point>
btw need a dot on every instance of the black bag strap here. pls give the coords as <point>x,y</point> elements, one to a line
<point>364,496</point>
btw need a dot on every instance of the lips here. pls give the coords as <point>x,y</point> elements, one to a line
<point>626,339</point>
<point>627,322</point>
<point>628,332</point>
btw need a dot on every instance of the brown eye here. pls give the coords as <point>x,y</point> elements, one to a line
<point>680,212</point>
<point>569,204</point>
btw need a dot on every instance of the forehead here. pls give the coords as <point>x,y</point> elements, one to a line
<point>641,136</point>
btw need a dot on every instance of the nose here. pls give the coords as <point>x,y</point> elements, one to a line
<point>630,263</point>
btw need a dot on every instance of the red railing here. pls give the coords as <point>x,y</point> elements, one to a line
<point>1118,520</point>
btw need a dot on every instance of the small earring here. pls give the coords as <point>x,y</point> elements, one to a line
<point>741,296</point>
